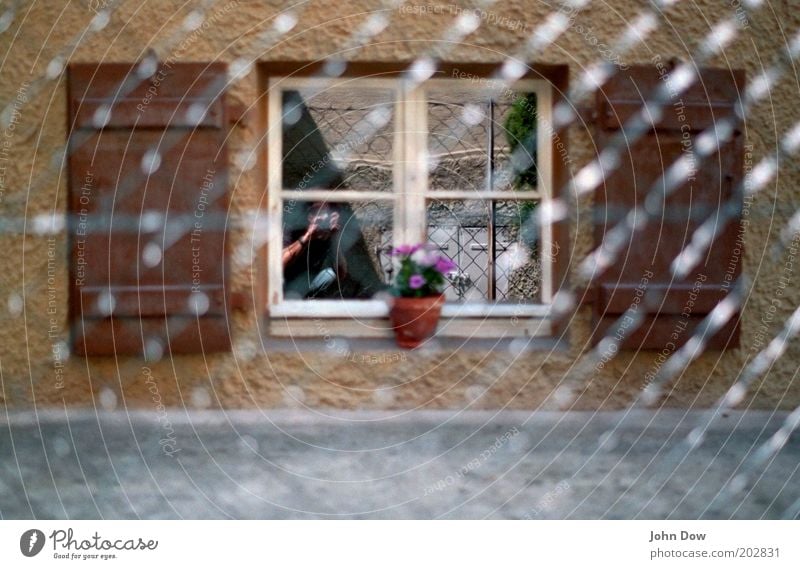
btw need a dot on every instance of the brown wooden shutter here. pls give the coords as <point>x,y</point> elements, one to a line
<point>644,264</point>
<point>148,201</point>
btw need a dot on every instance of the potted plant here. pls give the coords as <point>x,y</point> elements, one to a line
<point>417,290</point>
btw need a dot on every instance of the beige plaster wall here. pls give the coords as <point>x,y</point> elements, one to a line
<point>445,378</point>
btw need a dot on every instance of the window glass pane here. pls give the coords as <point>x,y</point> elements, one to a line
<point>336,250</point>
<point>458,130</point>
<point>338,139</point>
<point>496,248</point>
<point>515,136</point>
<point>466,127</point>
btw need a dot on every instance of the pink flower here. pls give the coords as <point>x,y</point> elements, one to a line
<point>425,257</point>
<point>416,282</point>
<point>405,249</point>
<point>444,265</point>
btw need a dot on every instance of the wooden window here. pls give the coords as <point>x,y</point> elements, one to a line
<point>459,160</point>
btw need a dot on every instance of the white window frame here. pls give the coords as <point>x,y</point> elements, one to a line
<point>409,199</point>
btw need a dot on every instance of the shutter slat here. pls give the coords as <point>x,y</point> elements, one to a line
<point>178,264</point>
<point>164,112</point>
<point>177,335</point>
<point>676,298</point>
<point>152,301</point>
<point>698,116</point>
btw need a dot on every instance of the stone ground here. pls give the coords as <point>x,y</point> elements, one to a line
<point>304,464</point>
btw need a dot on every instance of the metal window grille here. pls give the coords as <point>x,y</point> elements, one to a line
<point>482,243</point>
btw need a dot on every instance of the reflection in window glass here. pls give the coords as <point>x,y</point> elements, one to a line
<point>336,250</point>
<point>343,139</point>
<point>339,139</point>
<point>458,130</point>
<point>515,136</point>
<point>466,128</point>
<point>469,231</point>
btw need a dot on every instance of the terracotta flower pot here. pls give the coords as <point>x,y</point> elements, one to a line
<point>415,319</point>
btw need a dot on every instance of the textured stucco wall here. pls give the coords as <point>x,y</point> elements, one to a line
<point>445,378</point>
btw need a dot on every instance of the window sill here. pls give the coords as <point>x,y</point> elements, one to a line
<point>353,309</point>
<point>494,328</point>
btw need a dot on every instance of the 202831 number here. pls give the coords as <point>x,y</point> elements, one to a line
<point>758,552</point>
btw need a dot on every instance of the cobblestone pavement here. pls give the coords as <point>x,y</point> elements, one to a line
<point>302,464</point>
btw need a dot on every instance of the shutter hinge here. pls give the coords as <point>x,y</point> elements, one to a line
<point>586,295</point>
<point>237,113</point>
<point>240,301</point>
<point>587,114</point>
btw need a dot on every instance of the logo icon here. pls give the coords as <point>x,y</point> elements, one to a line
<point>31,542</point>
